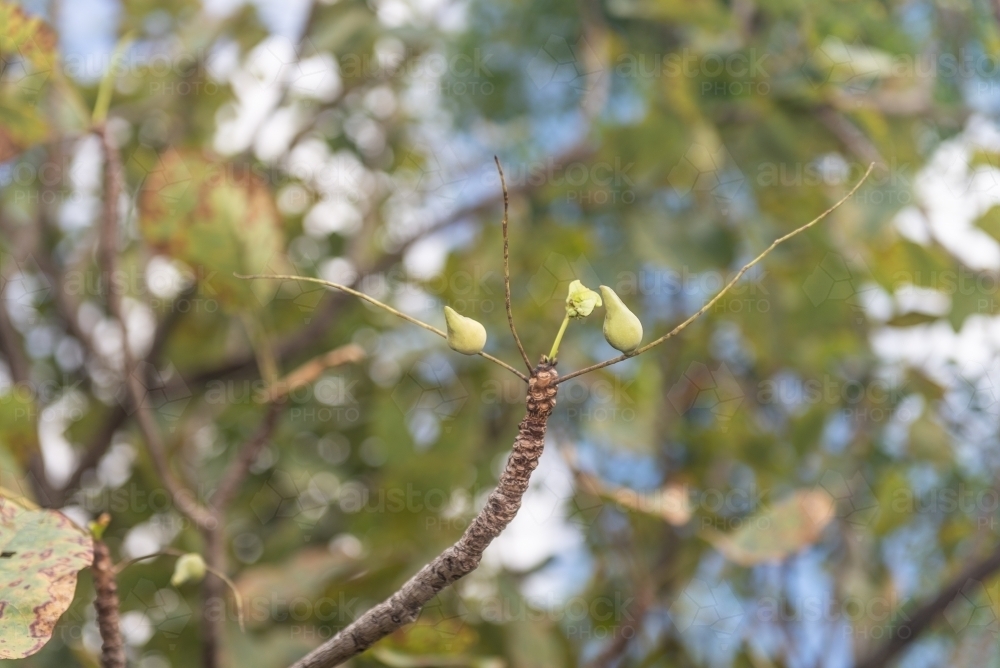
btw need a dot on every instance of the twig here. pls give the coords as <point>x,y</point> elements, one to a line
<point>311,370</point>
<point>10,347</point>
<point>106,604</point>
<point>212,621</point>
<point>506,268</point>
<point>101,440</point>
<point>849,134</point>
<point>237,470</point>
<point>904,633</point>
<point>182,498</point>
<point>381,305</point>
<point>679,328</point>
<point>463,557</point>
<point>170,552</point>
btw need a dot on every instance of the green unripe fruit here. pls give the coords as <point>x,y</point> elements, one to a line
<point>189,568</point>
<point>622,328</point>
<point>465,335</point>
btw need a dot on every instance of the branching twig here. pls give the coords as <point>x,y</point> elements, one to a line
<point>463,557</point>
<point>381,305</point>
<point>506,268</point>
<point>679,328</point>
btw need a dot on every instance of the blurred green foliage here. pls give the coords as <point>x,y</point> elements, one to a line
<point>653,146</point>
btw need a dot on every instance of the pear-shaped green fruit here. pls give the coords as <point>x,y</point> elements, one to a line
<point>465,335</point>
<point>189,568</point>
<point>622,328</point>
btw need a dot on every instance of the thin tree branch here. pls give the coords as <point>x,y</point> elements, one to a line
<point>381,305</point>
<point>849,134</point>
<point>904,633</point>
<point>506,269</point>
<point>311,370</point>
<point>237,470</point>
<point>101,440</point>
<point>10,347</point>
<point>463,557</point>
<point>106,604</point>
<point>213,594</point>
<point>679,328</point>
<point>182,498</point>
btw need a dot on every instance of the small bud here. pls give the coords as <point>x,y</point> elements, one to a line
<point>622,328</point>
<point>465,335</point>
<point>189,568</point>
<point>580,301</point>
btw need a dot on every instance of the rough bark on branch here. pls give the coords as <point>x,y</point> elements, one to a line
<point>106,604</point>
<point>463,557</point>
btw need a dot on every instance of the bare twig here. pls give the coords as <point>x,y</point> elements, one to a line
<point>381,305</point>
<point>182,498</point>
<point>170,552</point>
<point>238,468</point>
<point>849,134</point>
<point>679,328</point>
<point>101,440</point>
<point>902,634</point>
<point>106,604</point>
<point>213,594</point>
<point>506,268</point>
<point>311,370</point>
<point>10,348</point>
<point>463,557</point>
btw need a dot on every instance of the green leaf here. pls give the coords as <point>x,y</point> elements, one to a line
<point>785,528</point>
<point>41,552</point>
